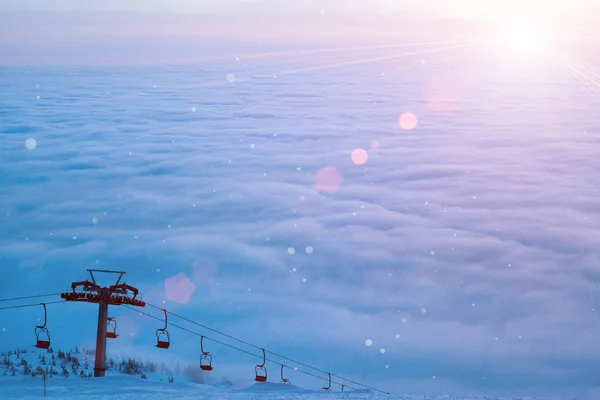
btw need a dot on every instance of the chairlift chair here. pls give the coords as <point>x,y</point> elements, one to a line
<point>162,335</point>
<point>205,357</point>
<point>42,335</point>
<point>111,326</point>
<point>261,370</point>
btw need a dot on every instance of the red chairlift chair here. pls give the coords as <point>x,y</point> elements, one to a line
<point>205,358</point>
<point>162,335</point>
<point>111,325</point>
<point>42,335</point>
<point>261,370</point>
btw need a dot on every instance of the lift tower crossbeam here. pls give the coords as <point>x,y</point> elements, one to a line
<point>116,295</point>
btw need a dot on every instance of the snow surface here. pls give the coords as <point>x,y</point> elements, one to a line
<point>117,385</point>
<point>156,386</point>
<point>132,387</point>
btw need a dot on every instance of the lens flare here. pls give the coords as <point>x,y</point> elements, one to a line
<point>359,156</point>
<point>408,121</point>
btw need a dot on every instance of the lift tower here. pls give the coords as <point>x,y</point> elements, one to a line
<point>116,295</point>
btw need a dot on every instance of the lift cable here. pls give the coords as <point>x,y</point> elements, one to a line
<point>270,352</point>
<point>233,347</point>
<point>31,305</point>
<point>31,297</point>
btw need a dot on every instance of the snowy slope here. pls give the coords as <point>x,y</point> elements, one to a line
<point>154,386</point>
<point>130,387</point>
<point>19,380</point>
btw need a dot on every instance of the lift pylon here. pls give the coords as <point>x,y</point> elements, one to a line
<point>115,295</point>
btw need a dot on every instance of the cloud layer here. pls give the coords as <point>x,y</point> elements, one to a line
<point>465,248</point>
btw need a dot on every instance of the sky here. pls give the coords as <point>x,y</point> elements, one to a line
<point>419,217</point>
<point>73,32</point>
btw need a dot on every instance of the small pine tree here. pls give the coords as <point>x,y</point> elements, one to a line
<point>76,350</point>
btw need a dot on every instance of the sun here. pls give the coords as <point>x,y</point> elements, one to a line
<point>527,41</point>
<point>523,40</point>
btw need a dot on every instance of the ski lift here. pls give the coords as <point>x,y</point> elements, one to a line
<point>42,335</point>
<point>328,386</point>
<point>343,387</point>
<point>261,370</point>
<point>283,380</point>
<point>112,328</point>
<point>162,335</point>
<point>205,358</point>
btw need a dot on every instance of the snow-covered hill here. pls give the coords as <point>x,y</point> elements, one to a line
<point>69,376</point>
<point>132,388</point>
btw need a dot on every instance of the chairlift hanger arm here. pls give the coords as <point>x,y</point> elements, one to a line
<point>166,319</point>
<point>45,317</point>
<point>283,379</point>
<point>264,359</point>
<point>202,346</point>
<point>328,386</point>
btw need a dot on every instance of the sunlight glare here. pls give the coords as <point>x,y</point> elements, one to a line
<point>525,39</point>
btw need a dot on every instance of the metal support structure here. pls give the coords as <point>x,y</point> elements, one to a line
<point>116,295</point>
<point>100,367</point>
